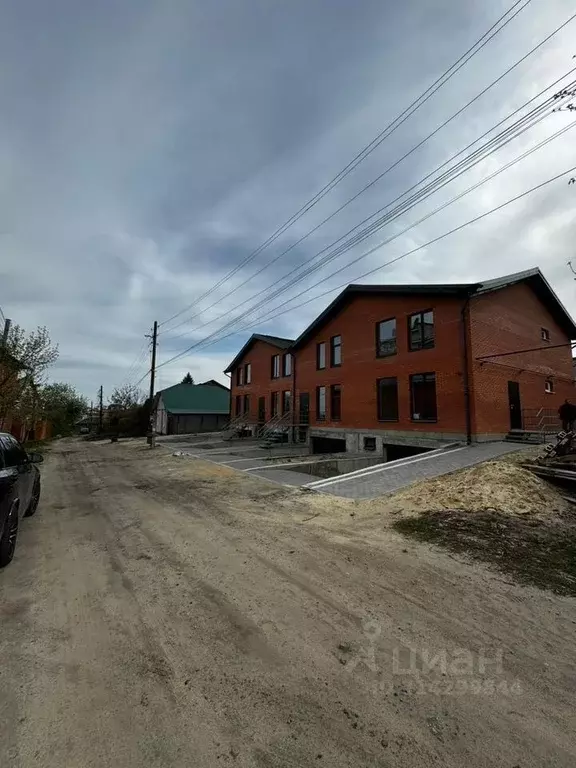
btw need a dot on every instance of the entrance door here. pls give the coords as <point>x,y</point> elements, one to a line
<point>514,405</point>
<point>304,417</point>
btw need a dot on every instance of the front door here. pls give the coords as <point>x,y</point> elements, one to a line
<point>514,405</point>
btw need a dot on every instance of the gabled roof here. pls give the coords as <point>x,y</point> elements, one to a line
<point>195,398</point>
<point>543,290</point>
<point>214,383</point>
<point>275,341</point>
<point>533,277</point>
<point>352,291</point>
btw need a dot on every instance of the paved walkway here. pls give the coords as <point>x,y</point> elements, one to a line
<point>363,484</point>
<point>390,477</point>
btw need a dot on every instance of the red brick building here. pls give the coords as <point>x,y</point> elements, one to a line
<point>262,376</point>
<point>389,365</point>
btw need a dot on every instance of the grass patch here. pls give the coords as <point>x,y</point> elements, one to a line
<point>533,551</point>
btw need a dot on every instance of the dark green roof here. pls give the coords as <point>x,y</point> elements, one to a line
<point>196,398</point>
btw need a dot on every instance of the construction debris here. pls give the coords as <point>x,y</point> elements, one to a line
<point>495,485</point>
<point>564,445</point>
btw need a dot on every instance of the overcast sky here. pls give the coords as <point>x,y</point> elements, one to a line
<point>147,148</point>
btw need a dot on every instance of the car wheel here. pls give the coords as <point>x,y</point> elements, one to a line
<point>33,506</point>
<point>8,540</point>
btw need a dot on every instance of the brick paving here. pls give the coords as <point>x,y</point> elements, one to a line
<point>393,477</point>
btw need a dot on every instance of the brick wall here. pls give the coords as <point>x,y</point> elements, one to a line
<point>360,369</point>
<point>507,320</point>
<point>262,385</point>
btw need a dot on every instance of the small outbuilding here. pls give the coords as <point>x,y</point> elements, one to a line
<point>191,408</point>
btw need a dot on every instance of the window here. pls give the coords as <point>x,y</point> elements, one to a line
<point>320,403</point>
<point>275,367</point>
<point>421,330</point>
<point>248,373</point>
<point>387,399</point>
<point>238,405</point>
<point>304,415</point>
<point>240,376</point>
<point>287,364</point>
<point>423,396</point>
<point>545,334</point>
<point>262,409</point>
<point>14,454</point>
<point>549,386</point>
<point>321,355</point>
<point>336,351</point>
<point>386,338</point>
<point>335,402</point>
<point>369,443</point>
<point>246,403</point>
<point>286,401</point>
<point>274,403</point>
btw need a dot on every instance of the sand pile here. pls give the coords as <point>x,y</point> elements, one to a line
<point>495,485</point>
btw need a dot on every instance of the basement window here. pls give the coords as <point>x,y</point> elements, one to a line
<point>549,386</point>
<point>369,443</point>
<point>544,334</point>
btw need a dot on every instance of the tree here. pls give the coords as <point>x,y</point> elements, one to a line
<point>187,379</point>
<point>34,351</point>
<point>127,396</point>
<point>62,406</point>
<point>24,360</point>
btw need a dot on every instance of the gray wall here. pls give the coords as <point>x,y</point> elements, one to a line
<point>190,423</point>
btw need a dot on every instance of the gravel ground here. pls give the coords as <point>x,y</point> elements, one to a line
<point>166,613</point>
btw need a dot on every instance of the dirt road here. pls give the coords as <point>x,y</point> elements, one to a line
<point>162,612</point>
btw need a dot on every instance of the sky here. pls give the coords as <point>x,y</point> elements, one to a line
<point>148,148</point>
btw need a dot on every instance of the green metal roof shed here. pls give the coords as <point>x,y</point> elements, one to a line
<point>191,408</point>
<point>195,398</point>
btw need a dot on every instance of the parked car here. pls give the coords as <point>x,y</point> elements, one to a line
<point>19,491</point>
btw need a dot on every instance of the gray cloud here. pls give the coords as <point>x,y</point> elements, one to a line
<point>146,149</point>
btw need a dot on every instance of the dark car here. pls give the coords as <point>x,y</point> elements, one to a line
<point>19,492</point>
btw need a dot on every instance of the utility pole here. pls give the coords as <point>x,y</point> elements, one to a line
<point>151,437</point>
<point>153,363</point>
<point>101,409</point>
<point>7,324</point>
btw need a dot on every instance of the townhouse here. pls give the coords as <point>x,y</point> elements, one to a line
<point>262,380</point>
<point>387,366</point>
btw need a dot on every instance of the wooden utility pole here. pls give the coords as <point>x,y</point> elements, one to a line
<point>151,434</point>
<point>101,409</point>
<point>7,324</point>
<point>153,363</point>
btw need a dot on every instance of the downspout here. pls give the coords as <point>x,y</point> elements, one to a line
<point>230,396</point>
<point>466,371</point>
<point>293,397</point>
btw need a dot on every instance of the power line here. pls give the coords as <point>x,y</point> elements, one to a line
<point>497,142</point>
<point>392,261</point>
<point>377,179</point>
<point>369,148</point>
<point>136,364</point>
<point>379,245</point>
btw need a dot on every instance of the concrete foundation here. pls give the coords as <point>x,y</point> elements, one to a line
<point>355,438</point>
